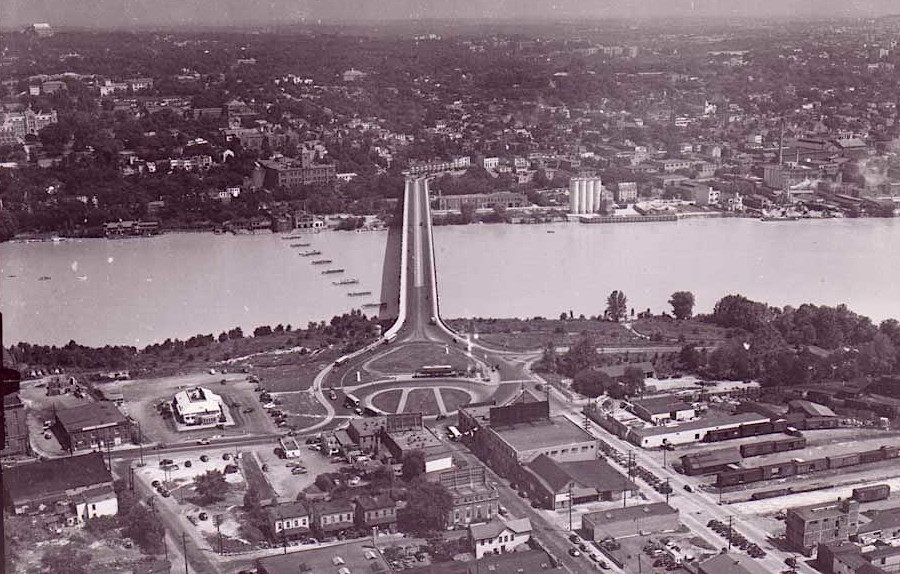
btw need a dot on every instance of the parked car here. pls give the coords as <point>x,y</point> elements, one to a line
<point>574,552</point>
<point>204,458</point>
<point>203,441</point>
<point>203,516</point>
<point>688,488</point>
<point>187,464</point>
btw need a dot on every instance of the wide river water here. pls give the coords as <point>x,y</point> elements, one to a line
<point>141,291</point>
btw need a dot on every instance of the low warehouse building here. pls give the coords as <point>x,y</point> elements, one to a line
<point>663,409</point>
<point>693,431</point>
<point>630,521</point>
<point>91,426</point>
<point>555,485</point>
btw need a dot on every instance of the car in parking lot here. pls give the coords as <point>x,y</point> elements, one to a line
<point>574,552</point>
<point>574,538</point>
<point>187,464</point>
<point>155,484</point>
<point>299,470</point>
<point>203,516</point>
<point>204,458</point>
<point>688,488</point>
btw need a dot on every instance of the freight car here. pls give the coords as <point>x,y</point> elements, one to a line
<point>736,476</point>
<point>842,461</point>
<point>872,493</point>
<point>790,443</point>
<point>778,470</point>
<point>810,465</point>
<point>763,494</point>
<point>757,448</point>
<point>871,456</point>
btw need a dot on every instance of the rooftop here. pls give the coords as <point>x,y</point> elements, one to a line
<point>662,405</point>
<point>286,510</point>
<point>812,409</point>
<point>724,564</point>
<point>888,518</point>
<point>716,457</point>
<point>595,473</point>
<point>90,415</point>
<point>376,502</point>
<point>820,511</point>
<point>418,439</point>
<point>333,506</point>
<point>367,426</point>
<point>706,422</point>
<point>527,562</point>
<point>494,528</point>
<point>630,513</point>
<point>55,476</point>
<point>558,431</point>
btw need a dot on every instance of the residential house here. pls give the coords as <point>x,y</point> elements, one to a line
<point>331,517</point>
<point>287,520</point>
<point>499,537</point>
<point>377,511</point>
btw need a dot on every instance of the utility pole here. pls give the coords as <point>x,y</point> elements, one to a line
<point>668,490</point>
<point>570,507</point>
<point>730,532</point>
<point>141,443</point>
<point>184,550</point>
<point>218,520</point>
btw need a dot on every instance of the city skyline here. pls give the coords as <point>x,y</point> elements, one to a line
<point>143,13</point>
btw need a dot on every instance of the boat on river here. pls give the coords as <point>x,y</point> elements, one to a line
<point>321,261</point>
<point>330,271</point>
<point>350,281</point>
<point>359,293</point>
<point>310,253</point>
<point>373,305</point>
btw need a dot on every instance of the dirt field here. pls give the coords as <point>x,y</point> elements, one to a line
<point>286,485</point>
<point>690,331</point>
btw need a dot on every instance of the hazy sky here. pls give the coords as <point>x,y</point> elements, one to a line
<point>229,12</point>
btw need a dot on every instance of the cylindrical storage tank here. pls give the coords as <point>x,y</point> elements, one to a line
<point>573,197</point>
<point>589,196</point>
<point>582,196</point>
<point>598,194</point>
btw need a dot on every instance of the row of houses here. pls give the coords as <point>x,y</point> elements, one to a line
<point>291,520</point>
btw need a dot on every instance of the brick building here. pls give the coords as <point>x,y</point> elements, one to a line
<point>92,426</point>
<point>15,427</point>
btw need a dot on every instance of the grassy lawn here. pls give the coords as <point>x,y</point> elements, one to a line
<point>673,331</point>
<point>453,398</point>
<point>289,371</point>
<point>421,400</point>
<point>534,334</point>
<point>301,404</point>
<point>408,358</point>
<point>387,401</point>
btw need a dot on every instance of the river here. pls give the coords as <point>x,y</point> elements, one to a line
<point>140,291</point>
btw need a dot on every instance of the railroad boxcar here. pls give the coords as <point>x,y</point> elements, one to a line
<point>756,429</point>
<point>738,476</point>
<point>876,455</point>
<point>757,448</point>
<point>789,443</point>
<point>818,423</point>
<point>811,465</point>
<point>722,434</point>
<point>843,460</point>
<point>763,494</point>
<point>778,470</point>
<point>872,493</point>
<point>891,452</point>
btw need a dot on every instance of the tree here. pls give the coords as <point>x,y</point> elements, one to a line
<point>591,383</point>
<point>682,303</point>
<point>428,505</point>
<point>413,465</point>
<point>144,528</point>
<point>467,211</point>
<point>211,486</point>
<point>66,560</point>
<point>633,379</point>
<point>616,306</point>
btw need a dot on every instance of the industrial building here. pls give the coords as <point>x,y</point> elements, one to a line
<point>693,431</point>
<point>15,427</point>
<point>663,409</point>
<point>197,406</point>
<point>91,426</point>
<point>291,173</point>
<point>521,432</point>
<point>645,519</point>
<point>507,199</point>
<point>884,527</point>
<point>555,485</point>
<point>848,558</point>
<point>585,195</point>
<point>808,526</point>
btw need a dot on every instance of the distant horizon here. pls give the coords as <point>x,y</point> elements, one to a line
<point>212,14</point>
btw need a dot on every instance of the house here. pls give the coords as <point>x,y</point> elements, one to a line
<point>287,520</point>
<point>91,426</point>
<point>331,517</point>
<point>499,537</point>
<point>555,485</point>
<point>376,511</point>
<point>72,489</point>
<point>366,432</point>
